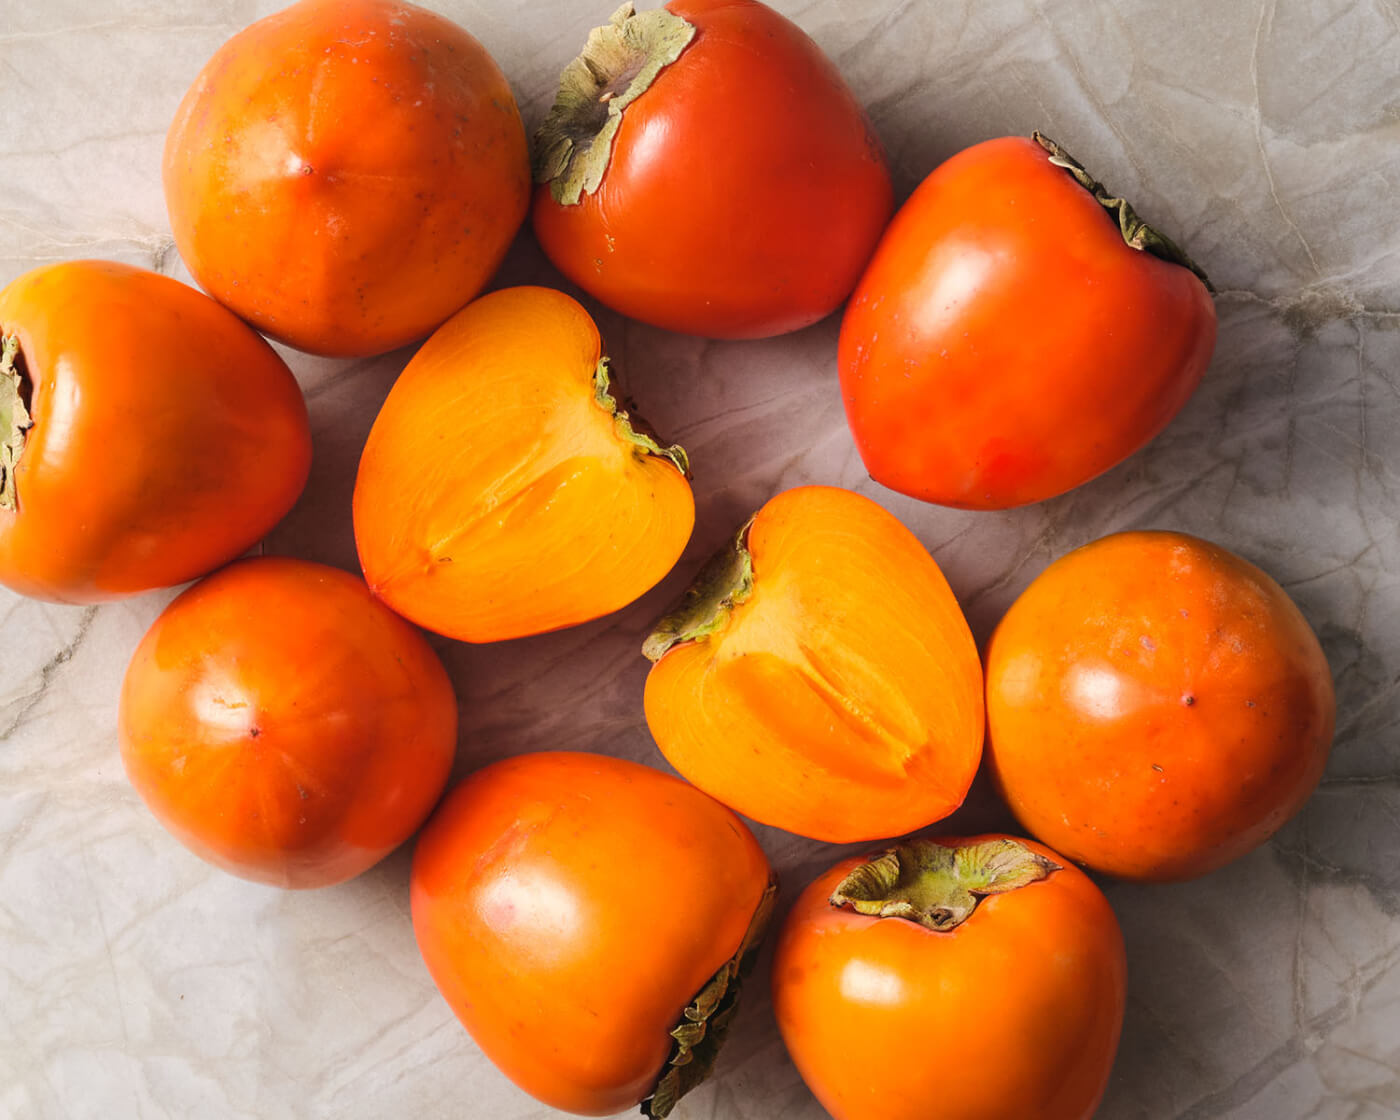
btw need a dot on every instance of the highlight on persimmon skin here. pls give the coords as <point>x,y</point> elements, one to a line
<point>820,676</point>
<point>1157,706</point>
<point>502,492</point>
<point>285,725</point>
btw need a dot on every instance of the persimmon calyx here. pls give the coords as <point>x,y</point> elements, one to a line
<point>15,420</point>
<point>632,428</point>
<point>937,885</point>
<point>1136,233</point>
<point>619,62</point>
<point>724,582</point>
<point>705,1023</point>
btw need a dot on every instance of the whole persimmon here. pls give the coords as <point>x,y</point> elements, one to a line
<point>952,979</point>
<point>1157,706</point>
<point>286,726</point>
<point>706,169</point>
<point>590,921</point>
<point>1018,331</point>
<point>820,676</point>
<point>502,490</point>
<point>146,434</point>
<point>345,174</point>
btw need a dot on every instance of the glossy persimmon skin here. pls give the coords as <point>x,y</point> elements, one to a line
<point>569,906</point>
<point>1005,344</point>
<point>345,174</point>
<point>495,498</point>
<point>1015,1013</point>
<point>745,191</point>
<point>1157,706</point>
<point>284,725</point>
<point>168,437</point>
<point>843,699</point>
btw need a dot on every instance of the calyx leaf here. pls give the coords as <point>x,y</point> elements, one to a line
<point>1136,233</point>
<point>619,61</point>
<point>632,428</point>
<point>937,885</point>
<point>706,1020</point>
<point>15,420</point>
<point>724,582</point>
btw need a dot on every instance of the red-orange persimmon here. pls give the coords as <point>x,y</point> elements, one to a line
<point>1017,332</point>
<point>706,169</point>
<point>285,725</point>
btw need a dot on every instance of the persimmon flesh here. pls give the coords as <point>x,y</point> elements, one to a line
<point>502,492</point>
<point>821,677</point>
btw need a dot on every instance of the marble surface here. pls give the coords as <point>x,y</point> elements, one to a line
<point>137,982</point>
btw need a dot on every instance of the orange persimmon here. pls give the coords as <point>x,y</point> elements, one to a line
<point>953,979</point>
<point>1157,706</point>
<point>346,174</point>
<point>820,675</point>
<point>502,491</point>
<point>146,434</point>
<point>590,921</point>
<point>285,725</point>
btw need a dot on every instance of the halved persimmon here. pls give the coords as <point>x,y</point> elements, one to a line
<point>820,675</point>
<point>502,491</point>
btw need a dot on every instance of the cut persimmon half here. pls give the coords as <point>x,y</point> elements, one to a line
<point>503,491</point>
<point>820,676</point>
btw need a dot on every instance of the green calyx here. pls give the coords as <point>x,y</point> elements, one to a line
<point>936,885</point>
<point>1136,233</point>
<point>706,1020</point>
<point>724,582</point>
<point>619,62</point>
<point>15,420</point>
<point>632,428</point>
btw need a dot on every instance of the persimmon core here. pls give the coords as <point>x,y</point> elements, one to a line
<point>937,885</point>
<point>617,65</point>
<point>15,419</point>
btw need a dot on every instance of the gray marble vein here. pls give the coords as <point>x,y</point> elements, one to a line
<point>137,982</point>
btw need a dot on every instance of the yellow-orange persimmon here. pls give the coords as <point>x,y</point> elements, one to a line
<point>1157,706</point>
<point>820,675</point>
<point>285,725</point>
<point>502,492</point>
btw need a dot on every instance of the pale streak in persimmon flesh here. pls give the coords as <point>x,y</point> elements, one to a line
<point>496,497</point>
<point>843,699</point>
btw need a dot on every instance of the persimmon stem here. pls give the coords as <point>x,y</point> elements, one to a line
<point>15,420</point>
<point>939,885</point>
<point>618,63</point>
<point>1136,233</point>
<point>705,1023</point>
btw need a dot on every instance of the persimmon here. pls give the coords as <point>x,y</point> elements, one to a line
<point>286,726</point>
<point>345,174</point>
<point>705,168</point>
<point>590,921</point>
<point>820,675</point>
<point>952,979</point>
<point>1157,706</point>
<point>502,491</point>
<point>146,434</point>
<point>1018,331</point>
